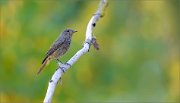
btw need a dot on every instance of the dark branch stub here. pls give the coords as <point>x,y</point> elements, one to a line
<point>51,81</point>
<point>94,24</point>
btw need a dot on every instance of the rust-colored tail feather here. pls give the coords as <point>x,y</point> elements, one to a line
<point>44,63</point>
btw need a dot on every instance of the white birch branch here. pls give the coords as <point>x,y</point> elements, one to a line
<point>88,41</point>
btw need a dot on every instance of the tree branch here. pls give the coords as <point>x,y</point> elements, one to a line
<point>88,41</point>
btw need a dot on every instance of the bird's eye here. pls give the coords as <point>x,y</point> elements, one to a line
<point>67,30</point>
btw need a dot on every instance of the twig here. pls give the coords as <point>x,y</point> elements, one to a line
<point>88,41</point>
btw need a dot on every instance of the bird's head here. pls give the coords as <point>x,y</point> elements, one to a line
<point>70,31</point>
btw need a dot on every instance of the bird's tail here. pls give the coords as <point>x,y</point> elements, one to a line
<point>44,63</point>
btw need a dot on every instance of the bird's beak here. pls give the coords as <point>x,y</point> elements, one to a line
<point>74,31</point>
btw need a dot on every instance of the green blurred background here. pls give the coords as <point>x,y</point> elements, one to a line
<point>138,60</point>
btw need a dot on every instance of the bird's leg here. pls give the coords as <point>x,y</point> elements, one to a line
<point>58,61</point>
<point>62,65</point>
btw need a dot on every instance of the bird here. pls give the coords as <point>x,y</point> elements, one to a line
<point>58,48</point>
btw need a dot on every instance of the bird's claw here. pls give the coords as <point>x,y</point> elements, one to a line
<point>63,69</point>
<point>68,64</point>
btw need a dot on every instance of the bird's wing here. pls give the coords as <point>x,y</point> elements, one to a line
<point>57,44</point>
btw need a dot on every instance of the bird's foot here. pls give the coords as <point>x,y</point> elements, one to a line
<point>64,66</point>
<point>68,64</point>
<point>63,69</point>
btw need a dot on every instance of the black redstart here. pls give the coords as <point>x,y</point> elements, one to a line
<point>58,48</point>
